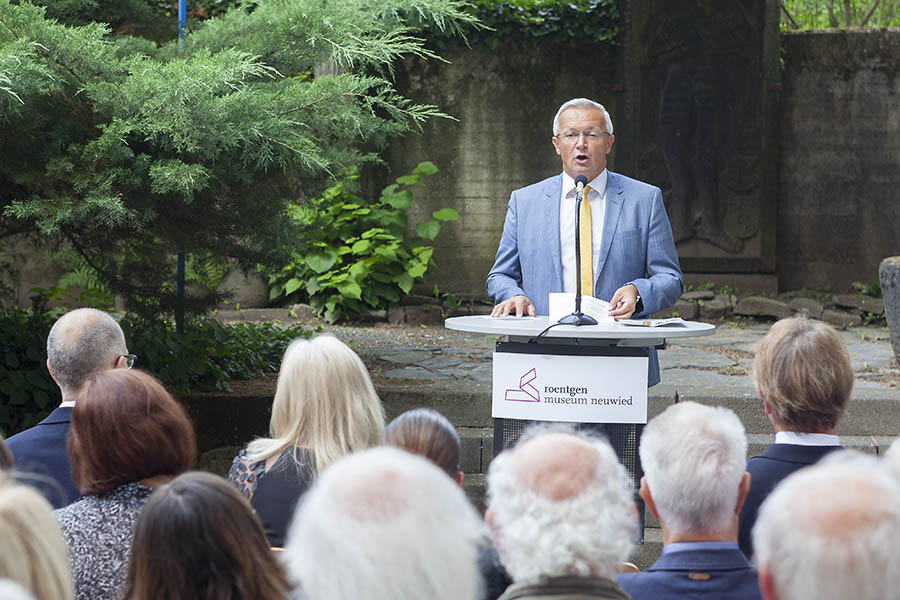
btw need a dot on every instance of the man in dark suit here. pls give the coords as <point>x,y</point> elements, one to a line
<point>804,376</point>
<point>81,343</point>
<point>694,482</point>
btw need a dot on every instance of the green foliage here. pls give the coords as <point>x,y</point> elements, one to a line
<point>831,14</point>
<point>353,256</point>
<point>596,20</point>
<point>27,392</point>
<point>129,152</point>
<point>868,288</point>
<point>209,353</point>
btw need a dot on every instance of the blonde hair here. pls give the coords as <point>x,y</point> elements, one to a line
<point>803,371</point>
<point>325,402</point>
<point>33,552</point>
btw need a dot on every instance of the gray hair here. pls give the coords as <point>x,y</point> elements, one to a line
<point>384,524</point>
<point>892,458</point>
<point>829,531</point>
<point>587,529</point>
<point>582,103</point>
<point>694,458</point>
<point>81,343</point>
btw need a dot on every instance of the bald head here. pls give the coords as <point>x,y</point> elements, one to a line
<point>560,504</point>
<point>385,524</point>
<point>556,466</point>
<point>828,532</point>
<point>83,342</point>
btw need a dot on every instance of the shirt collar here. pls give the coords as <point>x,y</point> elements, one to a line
<point>806,439</point>
<point>687,546</point>
<point>67,404</point>
<point>598,183</point>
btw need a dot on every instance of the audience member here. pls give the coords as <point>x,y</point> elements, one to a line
<point>803,374</point>
<point>32,551</point>
<point>694,481</point>
<point>6,457</point>
<point>561,513</point>
<point>197,538</point>
<point>428,433</point>
<point>128,436</point>
<point>325,407</point>
<point>81,343</point>
<point>829,532</point>
<point>384,524</point>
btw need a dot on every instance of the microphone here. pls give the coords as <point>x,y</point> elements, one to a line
<point>578,317</point>
<point>580,182</point>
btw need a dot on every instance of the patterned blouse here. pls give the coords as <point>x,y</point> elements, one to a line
<point>98,532</point>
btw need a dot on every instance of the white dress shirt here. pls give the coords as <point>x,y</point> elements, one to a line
<point>597,197</point>
<point>806,439</point>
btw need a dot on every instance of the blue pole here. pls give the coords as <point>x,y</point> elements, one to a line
<point>179,271</point>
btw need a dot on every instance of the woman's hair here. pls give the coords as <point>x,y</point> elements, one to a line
<point>126,427</point>
<point>197,538</point>
<point>32,551</point>
<point>325,402</point>
<point>427,433</point>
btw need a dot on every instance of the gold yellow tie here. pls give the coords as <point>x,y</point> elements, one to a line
<point>584,228</point>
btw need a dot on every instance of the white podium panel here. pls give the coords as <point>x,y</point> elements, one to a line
<point>575,389</point>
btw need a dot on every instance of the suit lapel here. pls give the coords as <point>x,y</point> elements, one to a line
<point>615,198</point>
<point>550,198</point>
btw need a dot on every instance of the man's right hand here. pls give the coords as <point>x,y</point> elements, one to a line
<point>518,305</point>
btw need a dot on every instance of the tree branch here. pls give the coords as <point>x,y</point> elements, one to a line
<point>789,15</point>
<point>869,14</point>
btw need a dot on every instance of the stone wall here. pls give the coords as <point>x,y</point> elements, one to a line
<point>839,136</point>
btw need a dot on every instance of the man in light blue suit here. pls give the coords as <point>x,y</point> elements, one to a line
<point>695,483</point>
<point>635,265</point>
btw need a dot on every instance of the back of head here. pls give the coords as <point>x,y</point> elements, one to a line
<point>32,552</point>
<point>803,371</point>
<point>427,433</point>
<point>198,538</point>
<point>829,532</point>
<point>694,458</point>
<point>325,402</point>
<point>560,504</point>
<point>126,427</point>
<point>83,342</point>
<point>384,524</point>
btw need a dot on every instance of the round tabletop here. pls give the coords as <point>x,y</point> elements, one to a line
<point>531,326</point>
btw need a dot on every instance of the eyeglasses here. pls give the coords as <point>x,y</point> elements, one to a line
<point>129,360</point>
<point>591,136</point>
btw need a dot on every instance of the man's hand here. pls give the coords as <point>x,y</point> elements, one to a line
<point>623,302</point>
<point>520,305</point>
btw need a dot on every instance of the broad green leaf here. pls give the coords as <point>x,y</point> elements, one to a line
<point>446,214</point>
<point>417,269</point>
<point>428,229</point>
<point>292,285</point>
<point>321,261</point>
<point>361,246</point>
<point>408,179</point>
<point>404,282</point>
<point>350,289</point>
<point>425,167</point>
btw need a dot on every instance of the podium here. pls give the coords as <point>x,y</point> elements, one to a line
<point>593,377</point>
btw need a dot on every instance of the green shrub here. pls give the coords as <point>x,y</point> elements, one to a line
<point>209,354</point>
<point>27,392</point>
<point>352,256</point>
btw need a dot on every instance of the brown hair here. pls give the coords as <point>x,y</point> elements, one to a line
<point>126,427</point>
<point>198,538</point>
<point>427,433</point>
<point>803,371</point>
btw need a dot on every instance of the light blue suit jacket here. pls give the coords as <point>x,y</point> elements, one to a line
<point>636,247</point>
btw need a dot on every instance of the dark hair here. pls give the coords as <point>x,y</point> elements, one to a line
<point>125,427</point>
<point>427,433</point>
<point>197,538</point>
<point>6,457</point>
